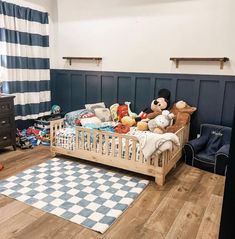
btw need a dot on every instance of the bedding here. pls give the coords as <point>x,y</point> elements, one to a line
<point>150,143</point>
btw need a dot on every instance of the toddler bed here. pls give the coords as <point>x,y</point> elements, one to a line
<point>113,149</point>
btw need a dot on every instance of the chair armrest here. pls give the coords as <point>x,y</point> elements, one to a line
<point>223,150</point>
<point>221,159</point>
<point>198,144</point>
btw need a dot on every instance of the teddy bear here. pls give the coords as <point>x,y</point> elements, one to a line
<point>161,122</point>
<point>182,112</point>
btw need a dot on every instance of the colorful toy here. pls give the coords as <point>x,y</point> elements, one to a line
<point>157,105</point>
<point>127,120</point>
<point>55,109</point>
<point>122,129</point>
<point>113,110</point>
<point>142,126</point>
<point>122,111</point>
<point>22,141</point>
<point>131,114</point>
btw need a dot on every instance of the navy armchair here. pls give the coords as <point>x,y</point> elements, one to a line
<point>210,151</point>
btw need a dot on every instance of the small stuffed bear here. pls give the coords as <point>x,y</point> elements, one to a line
<point>182,112</point>
<point>158,124</point>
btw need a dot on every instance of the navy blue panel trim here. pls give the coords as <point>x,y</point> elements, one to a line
<point>31,109</point>
<point>26,86</point>
<point>23,38</point>
<point>205,92</point>
<point>25,13</point>
<point>16,62</point>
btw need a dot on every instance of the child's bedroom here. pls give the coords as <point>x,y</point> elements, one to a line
<point>117,119</point>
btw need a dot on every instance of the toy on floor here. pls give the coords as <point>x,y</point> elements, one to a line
<point>21,141</point>
<point>182,112</point>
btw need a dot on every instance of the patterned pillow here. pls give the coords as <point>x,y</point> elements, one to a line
<point>103,114</point>
<point>92,107</point>
<point>72,117</point>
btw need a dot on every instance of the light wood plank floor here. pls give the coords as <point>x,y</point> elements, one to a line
<point>187,207</point>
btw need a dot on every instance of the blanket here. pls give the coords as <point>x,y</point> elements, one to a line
<point>152,143</point>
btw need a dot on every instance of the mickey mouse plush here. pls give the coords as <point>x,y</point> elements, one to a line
<point>157,105</point>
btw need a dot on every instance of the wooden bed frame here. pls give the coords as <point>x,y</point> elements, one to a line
<point>158,166</point>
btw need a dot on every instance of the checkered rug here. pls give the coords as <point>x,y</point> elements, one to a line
<point>90,196</point>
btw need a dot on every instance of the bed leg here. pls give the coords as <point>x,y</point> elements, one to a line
<point>53,154</point>
<point>159,180</point>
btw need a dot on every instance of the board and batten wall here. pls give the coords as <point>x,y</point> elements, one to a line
<point>213,95</point>
<point>141,35</point>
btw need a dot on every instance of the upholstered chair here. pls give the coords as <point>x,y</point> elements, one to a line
<point>209,151</point>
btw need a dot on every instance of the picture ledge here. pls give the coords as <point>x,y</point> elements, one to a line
<point>93,58</point>
<point>222,60</point>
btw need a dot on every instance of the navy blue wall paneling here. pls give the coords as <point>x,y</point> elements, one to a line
<point>93,90</point>
<point>124,89</point>
<point>78,91</point>
<point>213,95</point>
<point>228,103</point>
<point>109,90</point>
<point>142,93</point>
<point>209,102</point>
<point>186,91</point>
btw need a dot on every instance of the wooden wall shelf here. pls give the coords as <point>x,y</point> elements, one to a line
<point>70,58</point>
<point>222,60</point>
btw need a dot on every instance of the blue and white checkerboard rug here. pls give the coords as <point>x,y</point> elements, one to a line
<point>92,197</point>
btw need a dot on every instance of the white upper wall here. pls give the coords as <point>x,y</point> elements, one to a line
<point>141,35</point>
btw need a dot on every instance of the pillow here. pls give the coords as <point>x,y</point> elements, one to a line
<point>91,120</point>
<point>92,107</point>
<point>72,117</point>
<point>103,114</point>
<point>214,143</point>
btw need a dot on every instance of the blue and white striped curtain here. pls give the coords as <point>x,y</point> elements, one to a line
<point>24,59</point>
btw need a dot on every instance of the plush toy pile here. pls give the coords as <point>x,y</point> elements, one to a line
<point>158,118</point>
<point>31,137</point>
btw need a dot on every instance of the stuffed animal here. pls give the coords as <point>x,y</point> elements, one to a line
<point>131,114</point>
<point>161,122</point>
<point>157,105</point>
<point>113,110</point>
<point>127,120</point>
<point>182,112</point>
<point>142,126</point>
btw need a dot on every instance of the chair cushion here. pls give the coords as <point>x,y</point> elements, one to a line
<point>203,156</point>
